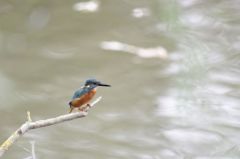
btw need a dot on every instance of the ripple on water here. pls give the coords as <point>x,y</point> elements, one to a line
<point>192,140</point>
<point>167,106</point>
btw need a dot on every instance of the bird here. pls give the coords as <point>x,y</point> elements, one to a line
<point>82,96</point>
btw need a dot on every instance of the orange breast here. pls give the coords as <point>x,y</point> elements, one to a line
<point>78,102</point>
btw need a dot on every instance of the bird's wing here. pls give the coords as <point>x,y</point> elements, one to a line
<point>79,93</point>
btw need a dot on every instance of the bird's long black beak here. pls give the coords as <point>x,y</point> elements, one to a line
<point>104,85</point>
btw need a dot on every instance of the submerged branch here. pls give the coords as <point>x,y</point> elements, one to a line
<point>29,124</point>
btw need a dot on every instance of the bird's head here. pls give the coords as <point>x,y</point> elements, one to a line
<point>95,83</point>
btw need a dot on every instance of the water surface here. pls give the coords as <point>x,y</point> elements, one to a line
<point>182,105</point>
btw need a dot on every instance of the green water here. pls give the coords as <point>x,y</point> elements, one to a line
<point>183,106</point>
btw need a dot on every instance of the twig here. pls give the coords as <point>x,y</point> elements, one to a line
<point>29,116</point>
<point>29,124</point>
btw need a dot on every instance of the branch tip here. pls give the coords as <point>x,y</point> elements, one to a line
<point>29,116</point>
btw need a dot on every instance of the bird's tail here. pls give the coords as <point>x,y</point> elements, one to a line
<point>71,108</point>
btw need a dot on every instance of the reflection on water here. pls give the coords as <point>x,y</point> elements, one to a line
<point>6,91</point>
<point>182,106</point>
<point>90,6</point>
<point>158,52</point>
<point>140,12</point>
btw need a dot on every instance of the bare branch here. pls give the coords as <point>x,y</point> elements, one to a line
<point>29,124</point>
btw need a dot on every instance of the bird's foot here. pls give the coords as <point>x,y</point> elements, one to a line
<point>81,109</point>
<point>88,106</point>
<point>85,108</point>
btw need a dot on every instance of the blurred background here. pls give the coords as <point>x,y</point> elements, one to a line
<point>174,67</point>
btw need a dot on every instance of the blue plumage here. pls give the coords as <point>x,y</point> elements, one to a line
<point>83,91</point>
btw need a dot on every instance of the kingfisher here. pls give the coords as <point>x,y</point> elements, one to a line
<point>85,94</point>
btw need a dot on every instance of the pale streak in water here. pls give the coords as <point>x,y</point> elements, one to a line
<point>89,6</point>
<point>156,52</point>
